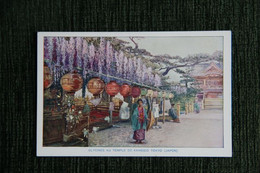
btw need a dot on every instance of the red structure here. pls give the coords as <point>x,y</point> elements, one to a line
<point>210,79</point>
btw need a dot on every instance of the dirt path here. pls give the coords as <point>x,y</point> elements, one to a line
<point>195,130</point>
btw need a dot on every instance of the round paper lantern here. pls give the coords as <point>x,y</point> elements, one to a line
<point>149,93</point>
<point>71,82</point>
<point>136,92</point>
<point>125,90</point>
<point>155,94</point>
<point>96,86</point>
<point>143,91</point>
<point>164,94</point>
<point>48,80</point>
<point>112,88</point>
<point>171,95</point>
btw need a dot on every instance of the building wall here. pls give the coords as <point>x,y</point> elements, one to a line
<point>212,91</point>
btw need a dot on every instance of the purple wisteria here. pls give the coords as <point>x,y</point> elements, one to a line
<point>64,55</point>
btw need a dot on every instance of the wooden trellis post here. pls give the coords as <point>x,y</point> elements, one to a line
<point>110,111</point>
<point>186,108</point>
<point>192,106</point>
<point>163,109</point>
<point>178,109</point>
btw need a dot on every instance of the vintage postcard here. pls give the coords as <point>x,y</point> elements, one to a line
<point>164,94</point>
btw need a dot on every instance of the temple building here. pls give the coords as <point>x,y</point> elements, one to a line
<point>209,77</point>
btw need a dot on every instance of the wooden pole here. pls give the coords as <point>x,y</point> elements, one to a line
<point>163,110</point>
<point>110,111</point>
<point>178,109</point>
<point>192,106</point>
<point>186,108</point>
<point>130,105</point>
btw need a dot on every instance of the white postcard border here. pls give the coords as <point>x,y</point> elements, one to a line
<point>138,151</point>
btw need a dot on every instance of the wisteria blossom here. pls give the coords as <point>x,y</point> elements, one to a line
<point>64,55</point>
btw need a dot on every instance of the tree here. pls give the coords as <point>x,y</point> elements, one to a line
<point>168,62</point>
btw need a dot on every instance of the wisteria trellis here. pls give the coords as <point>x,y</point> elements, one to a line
<point>65,55</point>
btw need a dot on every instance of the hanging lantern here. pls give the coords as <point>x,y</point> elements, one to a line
<point>71,82</point>
<point>163,94</point>
<point>171,95</point>
<point>143,91</point>
<point>125,90</point>
<point>112,88</point>
<point>136,92</point>
<point>96,86</point>
<point>155,94</point>
<point>48,79</point>
<point>149,93</point>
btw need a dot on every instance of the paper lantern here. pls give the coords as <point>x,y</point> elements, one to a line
<point>149,93</point>
<point>143,91</point>
<point>96,86</point>
<point>125,90</point>
<point>71,82</point>
<point>155,94</point>
<point>171,95</point>
<point>112,88</point>
<point>136,92</point>
<point>48,80</point>
<point>163,94</point>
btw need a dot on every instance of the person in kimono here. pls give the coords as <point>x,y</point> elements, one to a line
<point>139,122</point>
<point>197,107</point>
<point>173,114</point>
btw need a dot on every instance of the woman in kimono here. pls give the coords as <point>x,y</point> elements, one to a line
<point>197,107</point>
<point>139,122</point>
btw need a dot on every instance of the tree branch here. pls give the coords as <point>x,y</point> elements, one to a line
<point>178,66</point>
<point>132,39</point>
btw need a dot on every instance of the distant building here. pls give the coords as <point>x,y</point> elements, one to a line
<point>209,77</point>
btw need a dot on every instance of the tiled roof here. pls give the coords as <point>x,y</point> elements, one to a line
<point>199,70</point>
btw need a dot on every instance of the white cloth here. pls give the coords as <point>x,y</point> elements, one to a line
<point>124,104</point>
<point>95,101</point>
<point>119,96</point>
<point>156,110</point>
<point>88,94</point>
<point>111,106</point>
<point>107,119</point>
<point>78,94</point>
<point>124,112</point>
<point>167,105</point>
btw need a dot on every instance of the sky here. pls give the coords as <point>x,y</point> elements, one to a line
<point>181,46</point>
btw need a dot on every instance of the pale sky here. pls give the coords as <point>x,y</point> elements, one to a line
<point>181,46</point>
